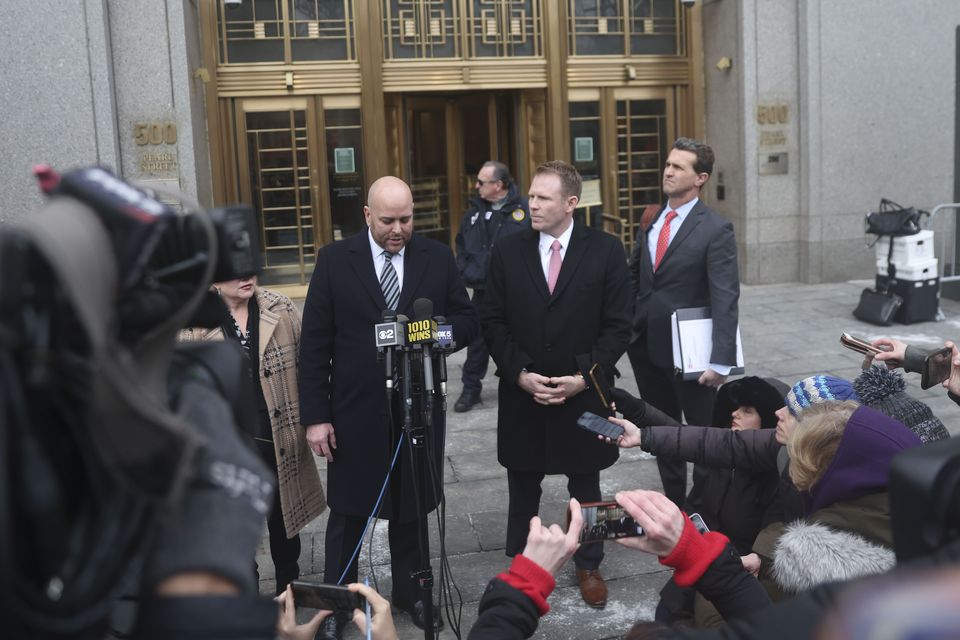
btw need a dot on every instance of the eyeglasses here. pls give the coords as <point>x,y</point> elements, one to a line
<point>483,182</point>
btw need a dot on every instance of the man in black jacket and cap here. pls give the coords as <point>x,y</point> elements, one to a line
<point>497,211</point>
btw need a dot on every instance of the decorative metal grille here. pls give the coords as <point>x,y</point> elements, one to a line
<point>641,152</point>
<point>504,28</point>
<point>286,31</point>
<point>625,27</point>
<point>450,29</point>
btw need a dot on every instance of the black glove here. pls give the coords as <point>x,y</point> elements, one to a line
<point>221,518</point>
<point>632,407</point>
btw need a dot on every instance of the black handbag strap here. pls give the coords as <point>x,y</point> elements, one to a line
<point>891,268</point>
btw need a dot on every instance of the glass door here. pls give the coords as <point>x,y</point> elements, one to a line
<point>428,119</point>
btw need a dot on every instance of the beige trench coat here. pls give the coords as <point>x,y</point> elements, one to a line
<point>301,494</point>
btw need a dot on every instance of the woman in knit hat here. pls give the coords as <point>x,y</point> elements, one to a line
<point>884,390</point>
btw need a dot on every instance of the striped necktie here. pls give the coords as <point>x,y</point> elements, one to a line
<point>389,283</point>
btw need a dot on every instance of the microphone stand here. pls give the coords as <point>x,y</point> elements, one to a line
<point>417,419</point>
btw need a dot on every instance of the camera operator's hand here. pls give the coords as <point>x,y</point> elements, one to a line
<point>661,519</point>
<point>952,384</point>
<point>895,353</point>
<point>382,618</point>
<point>220,518</point>
<point>322,439</point>
<point>551,547</point>
<point>631,434</point>
<point>287,627</point>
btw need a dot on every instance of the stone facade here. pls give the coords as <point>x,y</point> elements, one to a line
<point>100,82</point>
<point>859,96</point>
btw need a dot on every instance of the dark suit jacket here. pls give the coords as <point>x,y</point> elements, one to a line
<point>699,269</point>
<point>586,320</point>
<point>341,381</point>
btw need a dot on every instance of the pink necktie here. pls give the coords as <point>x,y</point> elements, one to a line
<point>555,261</point>
<point>663,241</point>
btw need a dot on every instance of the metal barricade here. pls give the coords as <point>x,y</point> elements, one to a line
<point>948,236</point>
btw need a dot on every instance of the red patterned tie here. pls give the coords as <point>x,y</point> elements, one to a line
<point>663,241</point>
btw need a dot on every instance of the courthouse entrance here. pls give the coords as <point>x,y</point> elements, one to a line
<point>308,101</point>
<point>446,139</point>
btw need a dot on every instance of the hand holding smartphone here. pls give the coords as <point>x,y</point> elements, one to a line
<point>331,597</point>
<point>600,384</point>
<point>858,344</point>
<point>605,521</point>
<point>599,425</point>
<point>936,367</point>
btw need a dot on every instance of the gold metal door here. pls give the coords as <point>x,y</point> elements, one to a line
<point>644,131</point>
<point>277,154</point>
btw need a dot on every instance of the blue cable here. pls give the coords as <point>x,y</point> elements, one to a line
<point>376,509</point>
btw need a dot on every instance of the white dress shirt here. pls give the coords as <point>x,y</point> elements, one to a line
<point>654,234</point>
<point>545,241</point>
<point>378,259</point>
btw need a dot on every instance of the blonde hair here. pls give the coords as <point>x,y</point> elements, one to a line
<point>815,441</point>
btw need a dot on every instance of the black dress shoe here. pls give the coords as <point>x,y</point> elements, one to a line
<point>416,614</point>
<point>467,400</point>
<point>332,627</point>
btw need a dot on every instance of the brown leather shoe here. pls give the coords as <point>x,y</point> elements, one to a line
<point>592,588</point>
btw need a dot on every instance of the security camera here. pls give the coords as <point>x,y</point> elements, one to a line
<point>688,3</point>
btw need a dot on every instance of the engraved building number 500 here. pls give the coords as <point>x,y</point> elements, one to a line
<point>155,133</point>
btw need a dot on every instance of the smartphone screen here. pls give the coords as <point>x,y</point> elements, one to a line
<point>698,522</point>
<point>330,597</point>
<point>606,521</point>
<point>936,368</point>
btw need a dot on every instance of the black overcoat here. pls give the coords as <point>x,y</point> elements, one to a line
<point>585,321</point>
<point>341,381</point>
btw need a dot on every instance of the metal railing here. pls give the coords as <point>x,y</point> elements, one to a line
<point>946,228</point>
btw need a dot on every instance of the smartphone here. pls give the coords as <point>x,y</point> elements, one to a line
<point>858,344</point>
<point>331,597</point>
<point>936,368</point>
<point>600,384</point>
<point>596,424</point>
<point>698,522</point>
<point>605,521</point>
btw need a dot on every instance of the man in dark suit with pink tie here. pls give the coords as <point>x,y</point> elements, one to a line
<point>557,303</point>
<point>686,258</point>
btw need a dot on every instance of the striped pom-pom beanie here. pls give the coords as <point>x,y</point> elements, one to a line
<point>817,389</point>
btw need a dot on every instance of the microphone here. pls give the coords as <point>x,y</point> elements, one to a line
<point>425,329</point>
<point>387,335</point>
<point>444,342</point>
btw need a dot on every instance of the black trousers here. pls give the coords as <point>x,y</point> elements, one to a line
<point>284,551</point>
<point>678,398</point>
<point>478,358</point>
<point>343,533</point>
<point>525,491</point>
